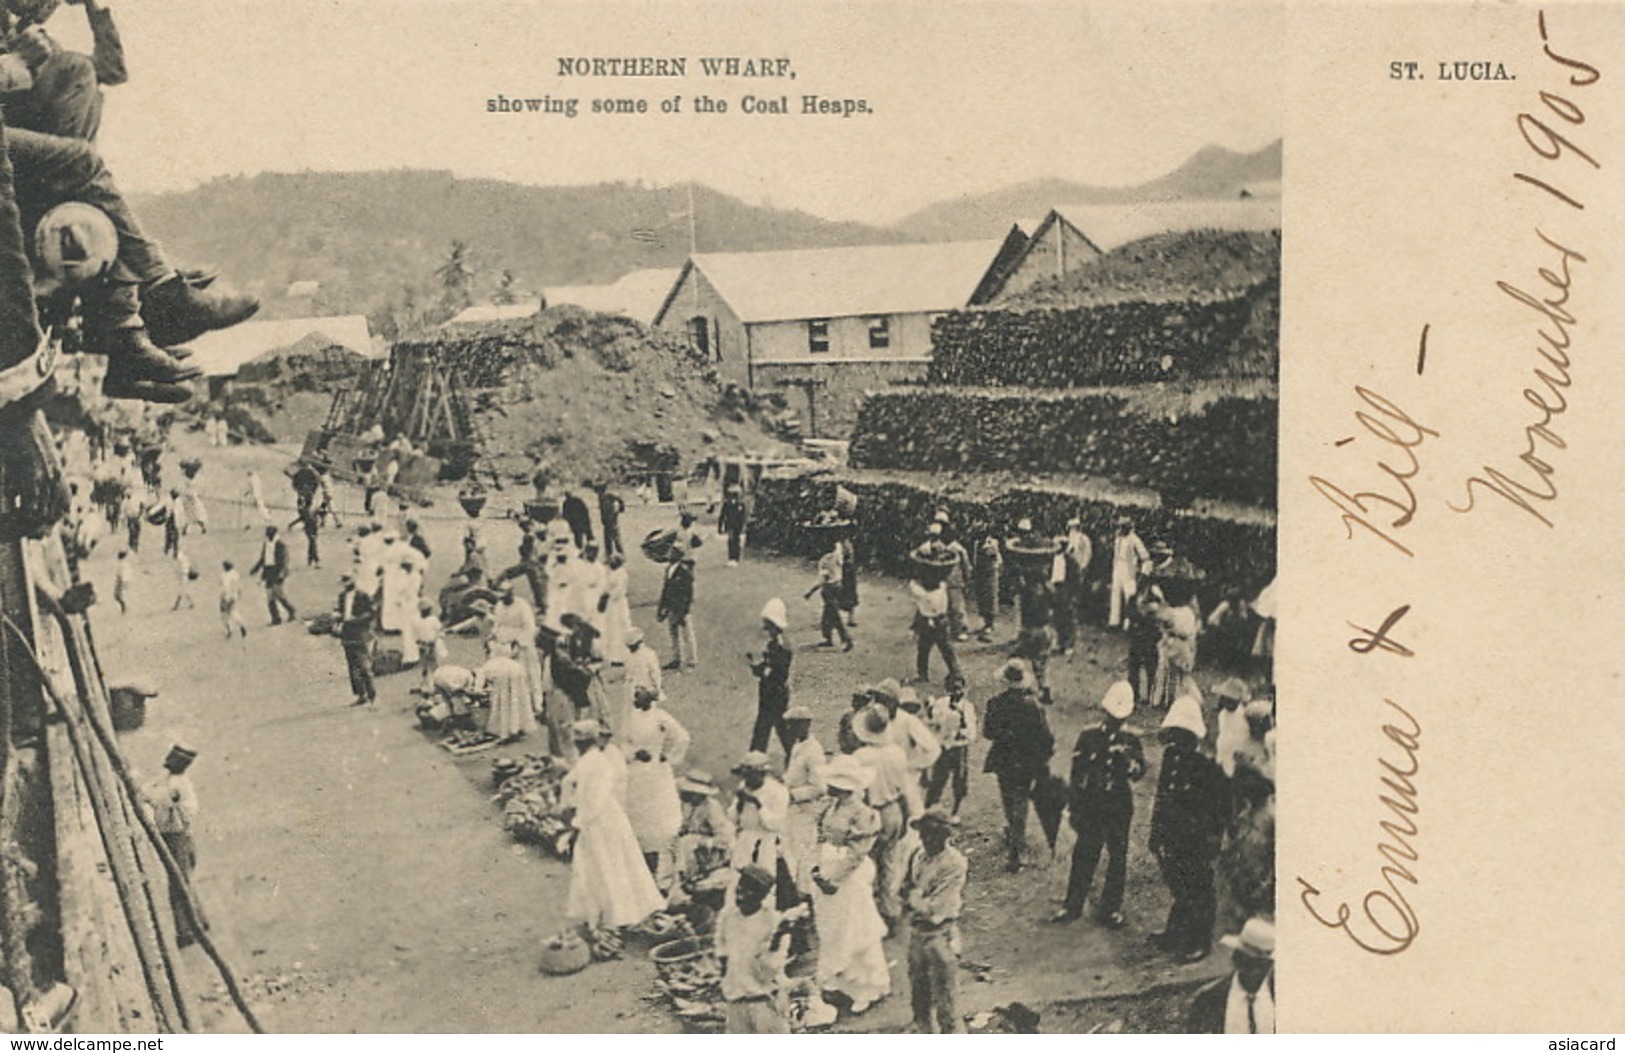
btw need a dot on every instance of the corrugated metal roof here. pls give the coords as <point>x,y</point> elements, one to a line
<point>496,312</point>
<point>637,295</point>
<point>1112,226</point>
<point>842,282</point>
<point>224,351</point>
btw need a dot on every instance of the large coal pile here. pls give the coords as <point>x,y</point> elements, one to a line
<point>591,394</point>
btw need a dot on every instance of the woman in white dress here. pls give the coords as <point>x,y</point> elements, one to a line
<point>851,958</point>
<point>654,743</point>
<point>609,883</point>
<point>618,617</point>
<point>503,678</point>
<point>515,619</point>
<point>804,778</point>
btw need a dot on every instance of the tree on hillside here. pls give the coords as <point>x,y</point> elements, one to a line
<point>507,290</point>
<point>456,277</point>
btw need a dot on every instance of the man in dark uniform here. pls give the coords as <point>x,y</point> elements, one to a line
<point>1106,761</point>
<point>732,520</point>
<point>574,510</point>
<point>1186,825</point>
<point>1021,745</point>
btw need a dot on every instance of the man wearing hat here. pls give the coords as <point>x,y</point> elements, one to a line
<point>357,615</point>
<point>705,837</point>
<point>1072,584</point>
<point>732,521</point>
<point>1106,761</point>
<point>928,587</point>
<point>1018,755</point>
<point>772,673</point>
<point>750,946</point>
<point>676,609</point>
<point>272,567</point>
<point>1242,1003</point>
<point>934,894</point>
<point>828,588</point>
<point>759,811</point>
<point>919,742</point>
<point>1129,557</point>
<point>952,717</point>
<point>610,884</point>
<point>1187,822</point>
<point>173,805</point>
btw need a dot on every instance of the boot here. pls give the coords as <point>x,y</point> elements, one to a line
<point>176,311</point>
<point>137,357</point>
<point>120,384</point>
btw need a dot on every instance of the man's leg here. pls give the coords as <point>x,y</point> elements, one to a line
<point>943,975</point>
<point>1085,857</point>
<point>66,99</point>
<point>1013,794</point>
<point>763,728</point>
<point>1116,842</point>
<point>919,982</point>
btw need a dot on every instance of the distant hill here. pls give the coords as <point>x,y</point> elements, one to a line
<point>1212,172</point>
<point>364,235</point>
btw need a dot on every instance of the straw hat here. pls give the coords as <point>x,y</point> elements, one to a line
<point>634,636</point>
<point>1118,701</point>
<point>584,730</point>
<point>801,713</point>
<point>937,816</point>
<point>179,757</point>
<point>872,725</point>
<point>755,760</point>
<point>697,781</point>
<point>1016,674</point>
<point>887,691</point>
<point>1256,939</point>
<point>1234,689</point>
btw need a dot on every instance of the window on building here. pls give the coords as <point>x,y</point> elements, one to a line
<point>818,336</point>
<point>879,333</point>
<point>699,335</point>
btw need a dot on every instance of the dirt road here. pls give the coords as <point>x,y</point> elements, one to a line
<point>358,876</point>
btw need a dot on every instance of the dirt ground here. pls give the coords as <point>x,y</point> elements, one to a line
<point>359,879</point>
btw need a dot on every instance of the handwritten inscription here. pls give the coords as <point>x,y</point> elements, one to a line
<point>1382,513</point>
<point>1551,132</point>
<point>1386,921</point>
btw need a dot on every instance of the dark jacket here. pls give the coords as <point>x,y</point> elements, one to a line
<point>1104,767</point>
<point>733,516</point>
<point>677,594</point>
<point>773,677</point>
<point>1021,739</point>
<point>356,627</point>
<point>276,571</point>
<point>575,513</point>
<point>1189,815</point>
<point>1206,1015</point>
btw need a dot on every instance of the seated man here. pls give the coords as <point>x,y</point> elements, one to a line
<point>65,96</point>
<point>143,305</point>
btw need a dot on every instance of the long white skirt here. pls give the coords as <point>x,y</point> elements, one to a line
<point>609,882</point>
<point>652,806</point>
<point>851,957</point>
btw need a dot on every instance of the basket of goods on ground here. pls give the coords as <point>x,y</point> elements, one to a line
<point>564,954</point>
<point>542,511</point>
<point>530,794</point>
<point>690,977</point>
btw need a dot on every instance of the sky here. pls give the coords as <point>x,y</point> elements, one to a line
<point>967,98</point>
